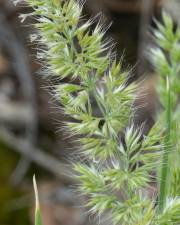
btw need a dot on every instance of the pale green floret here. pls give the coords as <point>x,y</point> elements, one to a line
<point>121,162</point>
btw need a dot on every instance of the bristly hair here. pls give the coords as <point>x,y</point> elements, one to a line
<point>120,160</point>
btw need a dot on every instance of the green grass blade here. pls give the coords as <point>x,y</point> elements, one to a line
<point>165,160</point>
<point>37,209</point>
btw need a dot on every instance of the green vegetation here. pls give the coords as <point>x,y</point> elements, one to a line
<point>118,160</point>
<point>166,59</point>
<point>37,208</point>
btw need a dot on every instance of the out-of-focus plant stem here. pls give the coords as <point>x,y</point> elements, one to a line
<point>165,159</point>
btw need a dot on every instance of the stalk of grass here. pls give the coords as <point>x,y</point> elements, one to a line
<point>112,166</point>
<point>37,219</point>
<point>166,60</point>
<point>165,160</point>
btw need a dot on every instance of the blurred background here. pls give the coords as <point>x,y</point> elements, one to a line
<point>31,140</point>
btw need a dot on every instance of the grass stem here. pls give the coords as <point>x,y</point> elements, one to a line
<point>165,159</point>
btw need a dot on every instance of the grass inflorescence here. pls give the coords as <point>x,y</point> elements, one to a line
<point>120,159</point>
